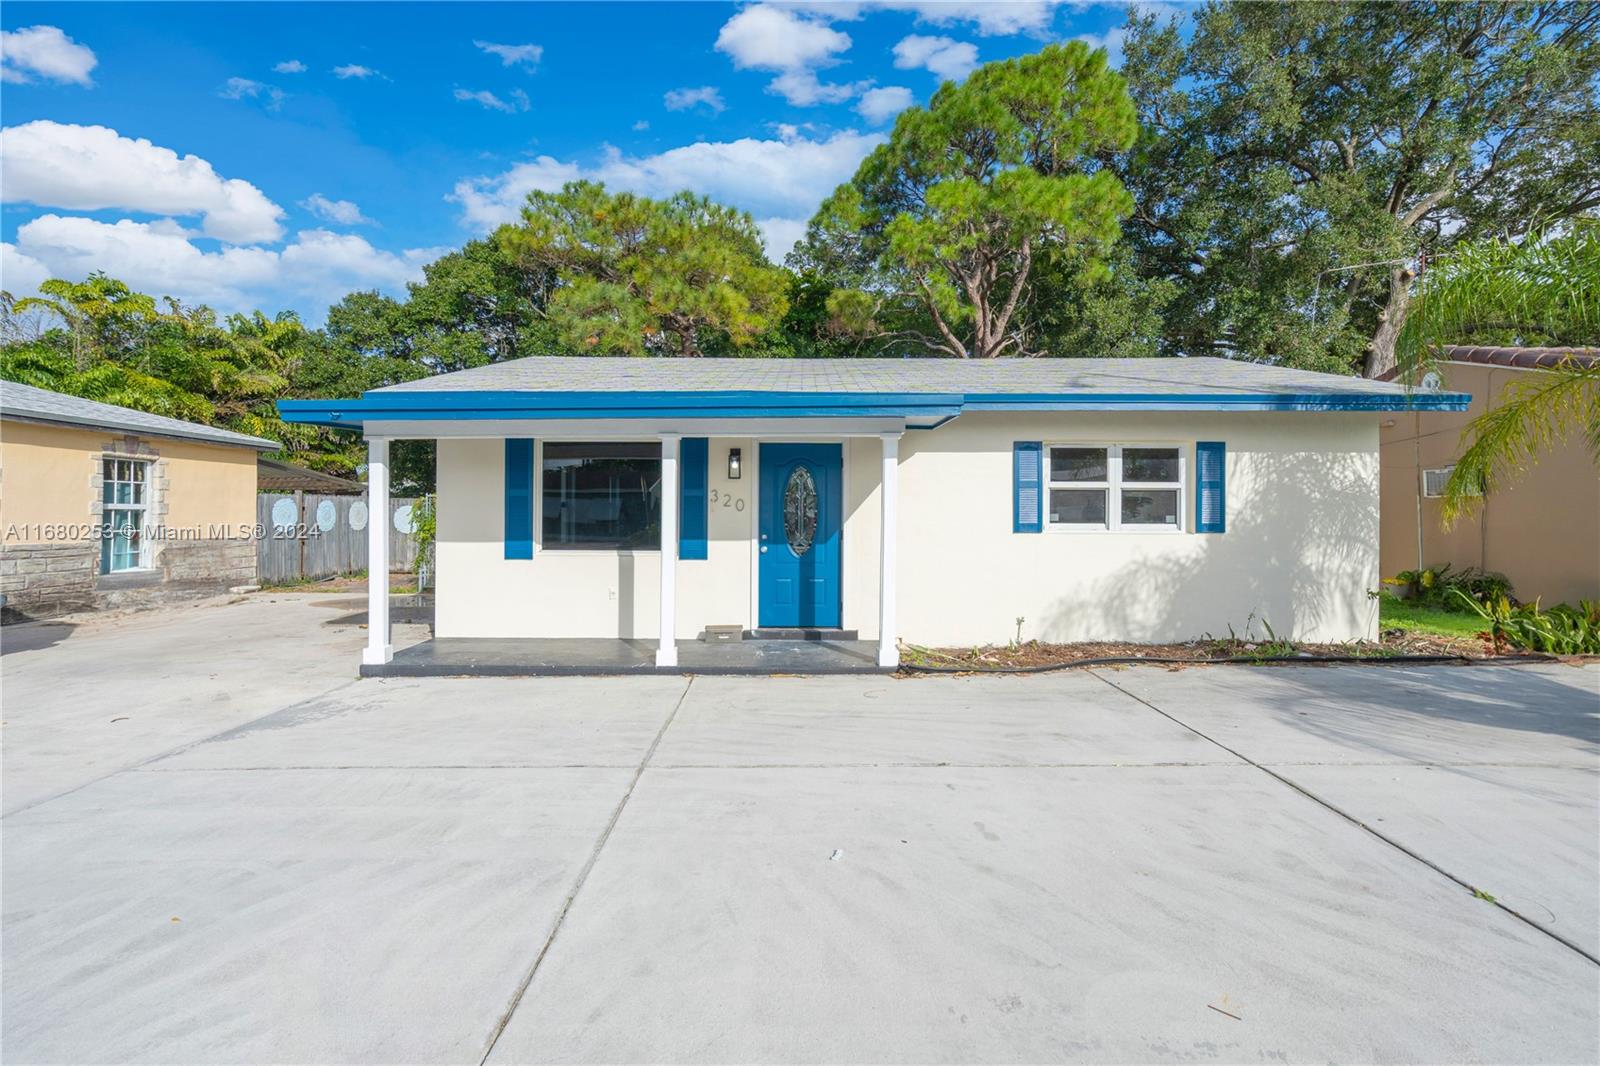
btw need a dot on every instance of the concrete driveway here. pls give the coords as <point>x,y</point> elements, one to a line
<point>265,860</point>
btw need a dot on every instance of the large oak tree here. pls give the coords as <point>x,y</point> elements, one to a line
<point>1296,161</point>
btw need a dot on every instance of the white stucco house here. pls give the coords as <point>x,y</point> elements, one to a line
<point>937,502</point>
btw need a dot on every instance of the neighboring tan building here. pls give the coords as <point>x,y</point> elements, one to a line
<point>1542,531</point>
<point>107,506</point>
<point>938,501</point>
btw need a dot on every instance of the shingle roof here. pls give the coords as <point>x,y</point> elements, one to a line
<point>1054,376</point>
<point>273,476</point>
<point>921,392</point>
<point>26,403</point>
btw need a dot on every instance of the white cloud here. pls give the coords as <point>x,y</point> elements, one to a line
<point>344,212</point>
<point>92,168</point>
<point>353,70</point>
<point>950,59</point>
<point>801,88</point>
<point>1111,40</point>
<point>159,258</point>
<point>877,106</point>
<point>147,255</point>
<point>990,17</point>
<point>786,41</point>
<point>45,52</point>
<point>705,95</point>
<point>641,126</point>
<point>241,88</point>
<point>764,37</point>
<point>780,235</point>
<point>518,102</point>
<point>20,274</point>
<point>779,181</point>
<point>320,261</point>
<point>290,66</point>
<point>512,54</point>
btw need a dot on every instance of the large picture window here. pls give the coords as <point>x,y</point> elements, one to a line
<point>603,495</point>
<point>1125,487</point>
<point>125,486</point>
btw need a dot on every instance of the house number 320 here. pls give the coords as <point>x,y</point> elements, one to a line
<point>722,499</point>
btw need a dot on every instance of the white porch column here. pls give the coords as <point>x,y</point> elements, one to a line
<point>378,649</point>
<point>667,646</point>
<point>888,561</point>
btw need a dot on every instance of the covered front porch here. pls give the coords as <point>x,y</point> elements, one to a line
<point>601,656</point>
<point>520,596</point>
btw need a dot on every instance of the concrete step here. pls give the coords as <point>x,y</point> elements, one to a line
<point>801,633</point>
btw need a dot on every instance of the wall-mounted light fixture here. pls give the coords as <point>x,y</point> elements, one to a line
<point>733,464</point>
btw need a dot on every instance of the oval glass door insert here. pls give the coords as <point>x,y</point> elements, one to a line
<point>800,510</point>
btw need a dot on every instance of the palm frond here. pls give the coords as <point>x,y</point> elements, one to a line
<point>1536,413</point>
<point>1543,290</point>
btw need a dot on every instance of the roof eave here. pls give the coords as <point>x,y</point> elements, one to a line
<point>1263,401</point>
<point>260,444</point>
<point>414,406</point>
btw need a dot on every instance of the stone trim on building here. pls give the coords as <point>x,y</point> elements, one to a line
<point>40,580</point>
<point>156,488</point>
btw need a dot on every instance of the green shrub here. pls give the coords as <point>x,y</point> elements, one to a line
<point>1484,586</point>
<point>425,524</point>
<point>1437,586</point>
<point>1562,630</point>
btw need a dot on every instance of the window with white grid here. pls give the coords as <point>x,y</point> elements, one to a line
<point>1116,487</point>
<point>125,501</point>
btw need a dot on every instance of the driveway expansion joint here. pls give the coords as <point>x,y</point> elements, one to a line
<point>287,767</point>
<point>583,877</point>
<point>1477,892</point>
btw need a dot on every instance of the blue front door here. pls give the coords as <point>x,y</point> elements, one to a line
<point>800,516</point>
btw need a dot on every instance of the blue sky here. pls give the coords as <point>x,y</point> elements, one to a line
<point>282,155</point>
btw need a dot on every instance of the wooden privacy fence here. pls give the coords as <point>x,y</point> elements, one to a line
<point>306,536</point>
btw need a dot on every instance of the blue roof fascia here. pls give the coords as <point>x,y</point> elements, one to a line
<point>478,406</point>
<point>1211,401</point>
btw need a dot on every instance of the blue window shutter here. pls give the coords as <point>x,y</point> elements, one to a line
<point>1211,487</point>
<point>1027,487</point>
<point>519,499</point>
<point>693,460</point>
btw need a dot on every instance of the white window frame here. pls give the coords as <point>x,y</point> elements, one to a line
<point>1113,486</point>
<point>108,511</point>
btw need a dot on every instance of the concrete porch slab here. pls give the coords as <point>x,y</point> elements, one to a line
<point>598,656</point>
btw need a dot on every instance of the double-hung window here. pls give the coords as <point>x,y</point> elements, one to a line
<point>126,493</point>
<point>1126,487</point>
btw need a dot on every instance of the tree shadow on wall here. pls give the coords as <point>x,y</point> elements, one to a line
<point>1300,549</point>
<point>1299,553</point>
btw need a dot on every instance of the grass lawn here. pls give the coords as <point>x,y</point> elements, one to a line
<point>1415,618</point>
